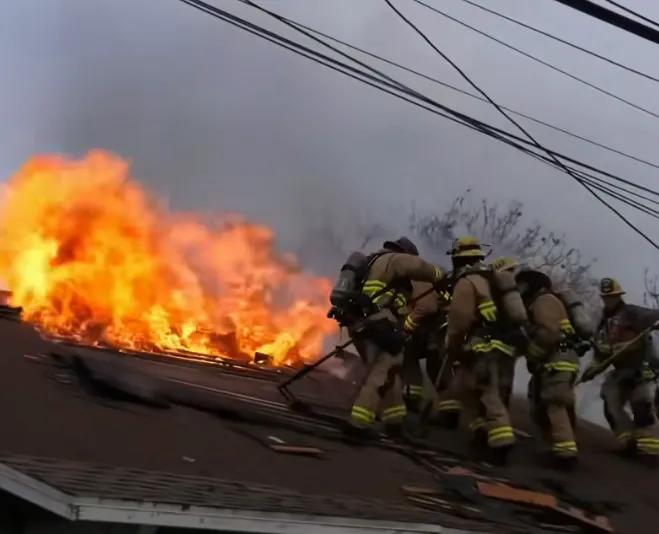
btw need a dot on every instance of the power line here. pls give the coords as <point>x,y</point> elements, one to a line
<point>541,61</point>
<point>632,12</point>
<point>375,82</point>
<point>615,19</point>
<point>396,85</point>
<point>477,97</point>
<point>561,40</point>
<point>517,125</point>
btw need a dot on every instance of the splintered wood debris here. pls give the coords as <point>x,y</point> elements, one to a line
<point>509,493</point>
<point>279,445</point>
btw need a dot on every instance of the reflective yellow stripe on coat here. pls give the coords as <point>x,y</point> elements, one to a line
<point>494,344</point>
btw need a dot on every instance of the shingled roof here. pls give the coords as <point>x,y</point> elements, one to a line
<point>98,435</point>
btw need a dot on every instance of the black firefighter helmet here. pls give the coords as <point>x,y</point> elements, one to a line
<point>530,281</point>
<point>402,244</point>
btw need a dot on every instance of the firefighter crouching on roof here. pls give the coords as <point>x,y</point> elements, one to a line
<point>473,338</point>
<point>426,326</point>
<point>387,285</point>
<point>421,325</point>
<point>447,379</point>
<point>553,362</point>
<point>507,370</point>
<point>632,379</point>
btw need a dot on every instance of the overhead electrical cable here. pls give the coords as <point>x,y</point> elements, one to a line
<point>477,97</point>
<point>632,12</point>
<point>517,125</point>
<point>541,61</point>
<point>389,81</point>
<point>561,40</point>
<point>615,19</point>
<point>380,81</point>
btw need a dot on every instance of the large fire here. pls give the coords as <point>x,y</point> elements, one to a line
<point>90,256</point>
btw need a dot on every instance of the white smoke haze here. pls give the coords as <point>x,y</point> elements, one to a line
<point>216,120</point>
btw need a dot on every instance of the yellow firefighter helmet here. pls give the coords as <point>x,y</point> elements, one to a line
<point>506,263</point>
<point>610,287</point>
<point>467,247</point>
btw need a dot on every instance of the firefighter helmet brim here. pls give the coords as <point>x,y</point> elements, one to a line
<point>402,244</point>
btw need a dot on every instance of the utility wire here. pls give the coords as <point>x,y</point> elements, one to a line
<point>517,125</point>
<point>371,80</point>
<point>475,96</point>
<point>541,61</point>
<point>563,41</point>
<point>632,12</point>
<point>615,19</point>
<point>394,84</point>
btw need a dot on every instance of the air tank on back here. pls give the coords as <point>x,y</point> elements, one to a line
<point>350,279</point>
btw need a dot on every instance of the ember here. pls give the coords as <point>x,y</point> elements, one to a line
<point>89,256</point>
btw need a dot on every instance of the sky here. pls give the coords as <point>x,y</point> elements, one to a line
<point>214,119</point>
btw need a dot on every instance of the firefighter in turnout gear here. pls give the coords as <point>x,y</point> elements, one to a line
<point>381,338</point>
<point>474,339</point>
<point>423,326</point>
<point>507,370</point>
<point>552,362</point>
<point>632,379</point>
<point>449,407</point>
<point>446,377</point>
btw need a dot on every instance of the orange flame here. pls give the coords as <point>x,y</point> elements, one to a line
<point>89,255</point>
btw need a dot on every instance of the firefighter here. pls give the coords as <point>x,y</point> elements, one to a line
<point>625,330</point>
<point>421,324</point>
<point>426,325</point>
<point>388,287</point>
<point>473,338</point>
<point>553,364</point>
<point>507,370</point>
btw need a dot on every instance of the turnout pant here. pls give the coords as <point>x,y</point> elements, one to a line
<point>553,409</point>
<point>642,430</point>
<point>483,393</point>
<point>412,376</point>
<point>448,406</point>
<point>381,392</point>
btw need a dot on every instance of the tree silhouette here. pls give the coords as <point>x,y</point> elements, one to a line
<point>506,234</point>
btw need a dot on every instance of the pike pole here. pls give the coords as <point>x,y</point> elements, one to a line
<point>283,386</point>
<point>601,367</point>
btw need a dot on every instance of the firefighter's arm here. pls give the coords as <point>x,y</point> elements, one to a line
<point>406,266</point>
<point>424,305</point>
<point>460,315</point>
<point>645,318</point>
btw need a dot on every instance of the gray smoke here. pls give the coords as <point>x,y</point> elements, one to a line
<point>215,119</point>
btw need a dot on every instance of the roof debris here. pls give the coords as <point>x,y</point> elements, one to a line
<point>458,491</point>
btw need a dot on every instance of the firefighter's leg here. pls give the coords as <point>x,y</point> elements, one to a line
<point>615,395</point>
<point>368,399</point>
<point>497,422</point>
<point>646,428</point>
<point>557,398</point>
<point>392,407</point>
<point>469,396</point>
<point>449,405</point>
<point>537,410</point>
<point>506,370</point>
<point>412,377</point>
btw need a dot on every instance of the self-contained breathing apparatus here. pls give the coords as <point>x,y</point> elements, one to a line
<point>505,317</point>
<point>578,335</point>
<point>353,309</point>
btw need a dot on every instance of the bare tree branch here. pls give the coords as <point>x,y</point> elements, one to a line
<point>505,230</point>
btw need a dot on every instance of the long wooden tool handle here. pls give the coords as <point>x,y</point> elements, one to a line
<point>601,367</point>
<point>308,368</point>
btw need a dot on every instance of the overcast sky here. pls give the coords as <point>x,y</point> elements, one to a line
<point>216,119</point>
